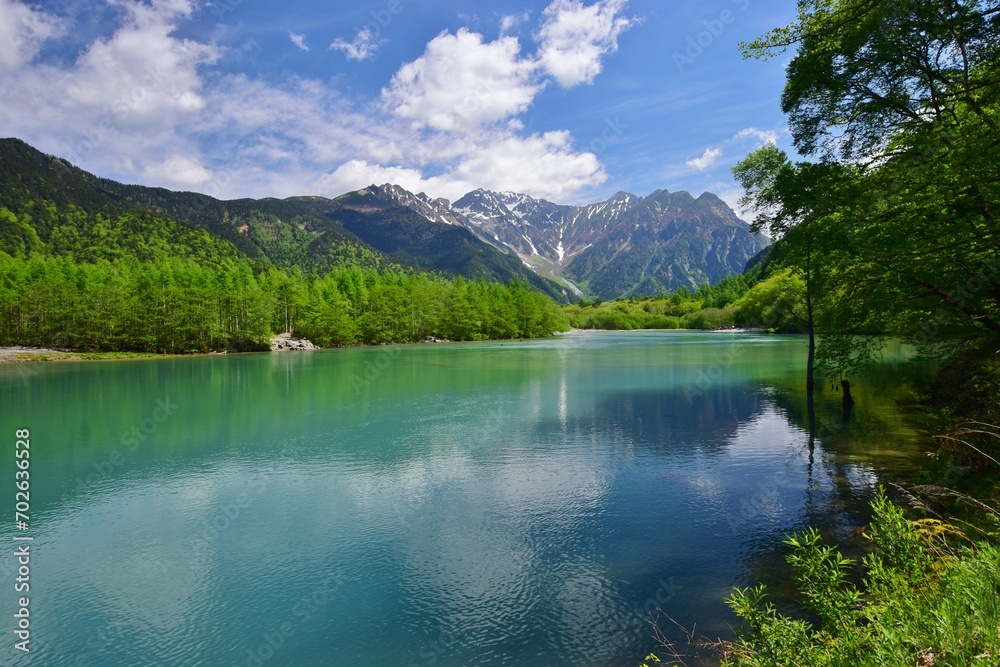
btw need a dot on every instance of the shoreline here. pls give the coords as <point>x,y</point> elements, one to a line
<point>18,354</point>
<point>22,354</point>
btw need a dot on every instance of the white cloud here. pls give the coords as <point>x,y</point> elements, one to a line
<point>540,165</point>
<point>707,159</point>
<point>179,171</point>
<point>364,46</point>
<point>511,21</point>
<point>356,174</point>
<point>298,40</point>
<point>765,136</point>
<point>23,29</point>
<point>461,83</point>
<point>574,38</point>
<point>141,104</point>
<point>121,105</point>
<point>143,75</point>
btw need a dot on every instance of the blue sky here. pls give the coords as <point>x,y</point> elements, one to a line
<point>567,100</point>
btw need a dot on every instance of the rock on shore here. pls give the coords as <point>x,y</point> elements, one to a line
<point>287,341</point>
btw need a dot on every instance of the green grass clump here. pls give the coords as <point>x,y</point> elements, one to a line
<point>930,596</point>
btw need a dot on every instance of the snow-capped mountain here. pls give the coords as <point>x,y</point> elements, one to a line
<point>435,210</point>
<point>626,245</point>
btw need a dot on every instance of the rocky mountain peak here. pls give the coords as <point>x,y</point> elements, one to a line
<point>624,245</point>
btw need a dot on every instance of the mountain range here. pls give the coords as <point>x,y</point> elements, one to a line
<point>625,246</point>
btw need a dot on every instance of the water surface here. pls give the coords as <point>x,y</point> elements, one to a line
<point>461,504</point>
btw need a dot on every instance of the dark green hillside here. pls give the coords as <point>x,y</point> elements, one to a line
<point>73,212</point>
<point>94,265</point>
<point>665,242</point>
<point>409,238</point>
<point>52,208</point>
<point>283,232</point>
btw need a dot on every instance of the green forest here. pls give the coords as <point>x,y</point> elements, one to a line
<point>84,266</point>
<point>180,305</point>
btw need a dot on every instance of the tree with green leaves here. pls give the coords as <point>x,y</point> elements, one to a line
<point>899,103</point>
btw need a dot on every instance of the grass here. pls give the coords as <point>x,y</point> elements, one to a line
<point>929,597</point>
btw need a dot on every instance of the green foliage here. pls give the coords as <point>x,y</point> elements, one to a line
<point>929,597</point>
<point>776,303</point>
<point>179,305</point>
<point>711,307</point>
<point>893,228</point>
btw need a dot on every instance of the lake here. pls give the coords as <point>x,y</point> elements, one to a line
<point>502,503</point>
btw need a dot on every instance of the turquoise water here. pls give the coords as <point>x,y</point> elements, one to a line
<point>470,504</point>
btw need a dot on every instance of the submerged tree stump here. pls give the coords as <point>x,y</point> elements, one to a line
<point>848,399</point>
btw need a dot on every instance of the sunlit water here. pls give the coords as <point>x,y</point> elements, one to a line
<point>471,504</point>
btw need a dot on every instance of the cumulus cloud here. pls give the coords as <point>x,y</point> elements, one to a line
<point>765,136</point>
<point>182,171</point>
<point>143,104</point>
<point>574,38</point>
<point>23,29</point>
<point>707,159</point>
<point>364,46</point>
<point>118,107</point>
<point>298,40</point>
<point>462,82</point>
<point>544,165</point>
<point>511,21</point>
<point>541,165</point>
<point>356,174</point>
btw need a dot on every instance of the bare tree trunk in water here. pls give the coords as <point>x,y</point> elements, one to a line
<point>810,367</point>
<point>847,402</point>
<point>848,399</point>
<point>810,326</point>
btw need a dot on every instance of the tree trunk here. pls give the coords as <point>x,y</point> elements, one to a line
<point>847,402</point>
<point>848,399</point>
<point>811,359</point>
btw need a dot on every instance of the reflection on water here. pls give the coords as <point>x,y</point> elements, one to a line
<point>528,504</point>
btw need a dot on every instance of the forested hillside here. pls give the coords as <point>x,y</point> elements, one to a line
<point>48,207</point>
<point>306,233</point>
<point>180,305</point>
<point>95,265</point>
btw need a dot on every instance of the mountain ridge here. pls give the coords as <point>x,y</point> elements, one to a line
<point>624,246</point>
<point>310,233</point>
<point>683,241</point>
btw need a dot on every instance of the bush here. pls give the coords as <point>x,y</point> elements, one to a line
<point>711,318</point>
<point>930,597</point>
